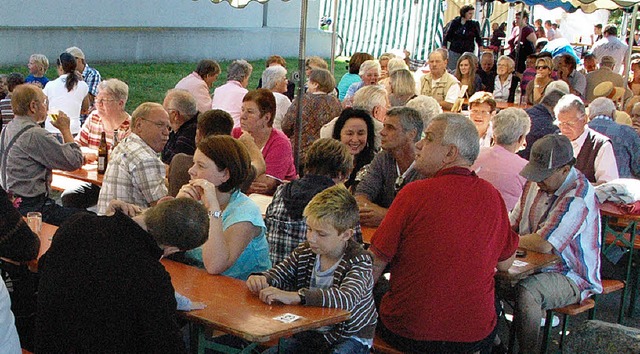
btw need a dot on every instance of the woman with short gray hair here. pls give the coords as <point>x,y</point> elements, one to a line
<point>274,79</point>
<point>370,75</point>
<point>228,97</point>
<point>506,83</point>
<point>427,106</point>
<point>499,164</point>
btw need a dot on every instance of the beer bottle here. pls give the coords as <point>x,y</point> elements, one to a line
<point>103,152</point>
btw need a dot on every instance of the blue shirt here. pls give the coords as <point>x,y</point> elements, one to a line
<point>255,257</point>
<point>625,142</point>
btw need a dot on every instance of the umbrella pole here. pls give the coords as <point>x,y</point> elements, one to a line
<point>627,64</point>
<point>301,70</point>
<point>334,34</point>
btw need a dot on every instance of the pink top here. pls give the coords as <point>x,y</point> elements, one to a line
<point>277,155</point>
<point>198,88</point>
<point>228,97</point>
<point>502,169</point>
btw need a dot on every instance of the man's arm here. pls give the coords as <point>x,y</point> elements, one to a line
<point>535,242</point>
<point>504,266</point>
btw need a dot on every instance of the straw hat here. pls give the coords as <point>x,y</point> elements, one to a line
<point>607,89</point>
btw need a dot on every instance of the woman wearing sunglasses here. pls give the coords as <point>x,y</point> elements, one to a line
<point>535,89</point>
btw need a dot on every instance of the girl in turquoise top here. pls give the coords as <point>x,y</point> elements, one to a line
<point>237,245</point>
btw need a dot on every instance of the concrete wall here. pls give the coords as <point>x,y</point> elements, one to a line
<point>156,31</point>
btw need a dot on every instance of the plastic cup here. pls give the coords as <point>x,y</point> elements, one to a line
<point>34,220</point>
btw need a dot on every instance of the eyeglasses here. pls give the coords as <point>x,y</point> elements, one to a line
<point>542,67</point>
<point>101,101</point>
<point>158,124</point>
<point>399,183</point>
<point>566,124</point>
<point>480,113</point>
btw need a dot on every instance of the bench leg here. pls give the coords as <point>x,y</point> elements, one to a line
<point>546,339</point>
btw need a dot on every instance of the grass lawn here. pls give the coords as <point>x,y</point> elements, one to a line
<point>149,82</point>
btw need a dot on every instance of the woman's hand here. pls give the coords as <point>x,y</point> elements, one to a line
<point>188,191</point>
<point>207,192</point>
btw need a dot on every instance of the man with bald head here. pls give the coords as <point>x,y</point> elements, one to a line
<point>135,173</point>
<point>438,83</point>
<point>183,115</point>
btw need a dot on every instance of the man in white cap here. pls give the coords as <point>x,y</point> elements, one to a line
<point>90,75</point>
<point>557,214</point>
<point>592,150</point>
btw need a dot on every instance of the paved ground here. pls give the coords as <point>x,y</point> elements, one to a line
<point>607,307</point>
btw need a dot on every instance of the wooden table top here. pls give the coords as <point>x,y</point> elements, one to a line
<point>233,309</point>
<point>88,173</point>
<point>522,267</point>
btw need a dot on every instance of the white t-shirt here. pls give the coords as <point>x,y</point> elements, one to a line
<point>282,105</point>
<point>9,342</point>
<point>70,102</point>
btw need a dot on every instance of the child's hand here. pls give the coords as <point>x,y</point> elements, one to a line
<point>255,283</point>
<point>271,294</point>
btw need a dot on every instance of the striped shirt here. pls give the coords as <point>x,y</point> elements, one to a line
<point>92,129</point>
<point>6,111</point>
<point>352,288</point>
<point>134,175</point>
<point>569,220</point>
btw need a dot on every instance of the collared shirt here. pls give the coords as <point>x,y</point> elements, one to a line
<point>92,129</point>
<point>33,156</point>
<point>485,141</point>
<point>612,46</point>
<point>228,97</point>
<point>134,175</point>
<point>452,93</point>
<point>502,169</point>
<point>500,90</point>
<point>578,82</point>
<point>378,184</point>
<point>626,145</point>
<point>605,162</point>
<point>198,89</point>
<point>569,219</point>
<point>92,77</point>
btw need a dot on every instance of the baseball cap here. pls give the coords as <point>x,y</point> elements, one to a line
<point>76,52</point>
<point>547,154</point>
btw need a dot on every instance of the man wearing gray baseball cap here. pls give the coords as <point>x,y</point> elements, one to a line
<point>557,214</point>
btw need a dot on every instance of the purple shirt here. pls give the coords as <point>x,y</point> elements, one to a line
<point>502,169</point>
<point>228,97</point>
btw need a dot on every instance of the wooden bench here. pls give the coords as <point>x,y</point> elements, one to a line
<point>380,346</point>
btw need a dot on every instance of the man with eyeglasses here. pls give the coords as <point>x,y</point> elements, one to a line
<point>593,151</point>
<point>183,114</point>
<point>28,153</point>
<point>135,174</point>
<point>392,168</point>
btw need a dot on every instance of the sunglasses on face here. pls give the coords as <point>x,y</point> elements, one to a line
<point>542,67</point>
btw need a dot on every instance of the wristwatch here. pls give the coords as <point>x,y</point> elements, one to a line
<point>303,298</point>
<point>216,214</point>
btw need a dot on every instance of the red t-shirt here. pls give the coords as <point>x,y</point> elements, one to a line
<point>443,238</point>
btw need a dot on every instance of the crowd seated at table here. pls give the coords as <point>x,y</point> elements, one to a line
<point>442,194</point>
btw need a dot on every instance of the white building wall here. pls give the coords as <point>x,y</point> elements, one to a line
<point>155,31</point>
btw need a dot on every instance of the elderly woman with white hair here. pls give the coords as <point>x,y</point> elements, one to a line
<point>427,106</point>
<point>370,75</point>
<point>506,82</point>
<point>625,141</point>
<point>274,79</point>
<point>499,164</point>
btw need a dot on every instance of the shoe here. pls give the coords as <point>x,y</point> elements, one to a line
<point>554,322</point>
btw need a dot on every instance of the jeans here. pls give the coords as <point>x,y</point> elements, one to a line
<point>52,213</point>
<point>302,344</point>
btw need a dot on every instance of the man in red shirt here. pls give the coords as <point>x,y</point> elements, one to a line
<point>442,239</point>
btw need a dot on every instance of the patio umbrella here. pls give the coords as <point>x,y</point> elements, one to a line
<point>301,56</point>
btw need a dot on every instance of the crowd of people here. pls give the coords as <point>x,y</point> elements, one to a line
<point>452,196</point>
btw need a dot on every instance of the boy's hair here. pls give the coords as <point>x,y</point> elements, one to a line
<point>180,222</point>
<point>336,206</point>
<point>41,61</point>
<point>328,157</point>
